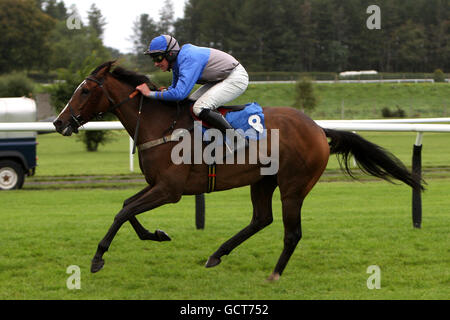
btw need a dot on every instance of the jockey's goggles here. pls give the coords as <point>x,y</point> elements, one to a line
<point>158,58</point>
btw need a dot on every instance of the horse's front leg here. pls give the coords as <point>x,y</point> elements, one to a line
<point>154,197</point>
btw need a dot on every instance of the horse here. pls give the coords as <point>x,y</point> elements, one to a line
<point>304,150</point>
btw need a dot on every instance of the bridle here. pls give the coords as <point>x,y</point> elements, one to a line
<point>78,121</point>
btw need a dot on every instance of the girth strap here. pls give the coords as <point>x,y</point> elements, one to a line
<point>211,177</point>
<point>170,138</point>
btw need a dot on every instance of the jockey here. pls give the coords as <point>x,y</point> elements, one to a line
<point>222,77</point>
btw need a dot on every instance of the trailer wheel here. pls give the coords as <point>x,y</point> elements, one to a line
<point>12,175</point>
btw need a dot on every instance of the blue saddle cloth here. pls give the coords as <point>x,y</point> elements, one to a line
<point>250,120</point>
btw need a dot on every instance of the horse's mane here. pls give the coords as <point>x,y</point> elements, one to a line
<point>130,77</point>
<point>100,67</point>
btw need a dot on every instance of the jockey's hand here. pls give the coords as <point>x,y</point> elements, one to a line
<point>145,90</point>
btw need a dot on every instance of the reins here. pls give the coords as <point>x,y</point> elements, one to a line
<point>113,106</point>
<point>79,121</point>
<point>136,132</point>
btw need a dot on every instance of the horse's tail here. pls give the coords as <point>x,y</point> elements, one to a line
<point>371,158</point>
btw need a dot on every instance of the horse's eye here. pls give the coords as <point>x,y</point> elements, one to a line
<point>84,91</point>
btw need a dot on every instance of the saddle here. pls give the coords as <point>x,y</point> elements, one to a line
<point>223,110</point>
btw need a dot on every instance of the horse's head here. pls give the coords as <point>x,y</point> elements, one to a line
<point>89,100</point>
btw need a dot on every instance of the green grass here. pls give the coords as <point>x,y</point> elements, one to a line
<point>360,101</point>
<point>346,228</point>
<point>67,156</point>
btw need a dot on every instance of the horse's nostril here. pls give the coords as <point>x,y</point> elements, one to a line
<point>57,123</point>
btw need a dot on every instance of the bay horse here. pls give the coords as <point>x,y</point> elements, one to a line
<point>304,150</point>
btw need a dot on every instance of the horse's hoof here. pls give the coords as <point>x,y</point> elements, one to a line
<point>97,265</point>
<point>274,277</point>
<point>212,262</point>
<point>162,236</point>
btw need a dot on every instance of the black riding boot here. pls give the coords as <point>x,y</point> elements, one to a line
<point>218,121</point>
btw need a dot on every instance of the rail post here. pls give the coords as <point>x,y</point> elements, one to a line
<point>131,154</point>
<point>200,211</point>
<point>417,172</point>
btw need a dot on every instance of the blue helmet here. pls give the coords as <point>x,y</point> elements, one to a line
<point>164,44</point>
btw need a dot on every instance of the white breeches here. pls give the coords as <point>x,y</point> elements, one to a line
<point>214,95</point>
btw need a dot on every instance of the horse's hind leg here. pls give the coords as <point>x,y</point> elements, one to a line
<point>292,233</point>
<point>261,194</point>
<point>143,233</point>
<point>136,196</point>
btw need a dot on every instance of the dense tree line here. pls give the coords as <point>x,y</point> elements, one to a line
<point>265,35</point>
<point>23,36</point>
<point>320,35</point>
<point>324,35</point>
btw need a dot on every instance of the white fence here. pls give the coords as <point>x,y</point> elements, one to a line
<point>400,125</point>
<point>349,81</point>
<point>411,125</point>
<point>393,125</point>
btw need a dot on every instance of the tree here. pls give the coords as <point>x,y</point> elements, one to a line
<point>325,34</point>
<point>305,98</point>
<point>72,46</point>
<point>54,9</point>
<point>16,85</point>
<point>437,42</point>
<point>306,37</point>
<point>439,76</point>
<point>261,48</point>
<point>166,18</point>
<point>144,30</point>
<point>410,47</point>
<point>322,35</point>
<point>187,29</point>
<point>24,35</point>
<point>96,21</point>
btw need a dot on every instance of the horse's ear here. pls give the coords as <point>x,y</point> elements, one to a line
<point>105,70</point>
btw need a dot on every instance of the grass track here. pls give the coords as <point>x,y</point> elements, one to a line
<point>346,228</point>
